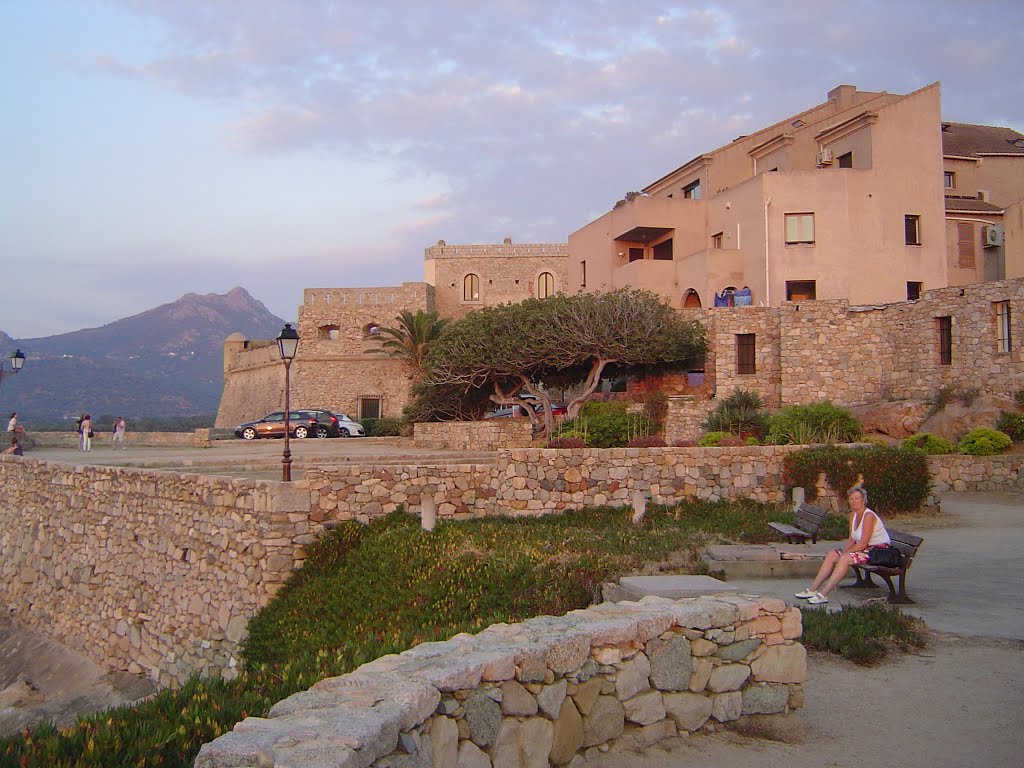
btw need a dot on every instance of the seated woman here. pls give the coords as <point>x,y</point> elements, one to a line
<point>15,447</point>
<point>866,531</point>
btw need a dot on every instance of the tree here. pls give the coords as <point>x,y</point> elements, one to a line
<point>561,341</point>
<point>410,340</point>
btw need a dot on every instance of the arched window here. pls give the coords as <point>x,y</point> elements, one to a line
<point>545,285</point>
<point>328,332</point>
<point>471,288</point>
<point>371,329</point>
<point>691,299</point>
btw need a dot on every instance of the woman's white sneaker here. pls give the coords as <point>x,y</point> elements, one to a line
<point>805,594</point>
<point>817,599</point>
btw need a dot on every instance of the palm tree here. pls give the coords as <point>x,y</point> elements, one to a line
<point>410,339</point>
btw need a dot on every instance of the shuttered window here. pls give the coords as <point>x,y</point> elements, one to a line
<point>965,246</point>
<point>745,353</point>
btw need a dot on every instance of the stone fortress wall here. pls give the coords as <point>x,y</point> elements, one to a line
<point>159,572</point>
<point>548,691</point>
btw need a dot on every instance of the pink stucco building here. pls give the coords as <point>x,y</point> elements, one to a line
<point>847,200</point>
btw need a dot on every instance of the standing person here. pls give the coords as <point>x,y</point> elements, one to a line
<point>119,429</point>
<point>866,531</point>
<point>86,429</point>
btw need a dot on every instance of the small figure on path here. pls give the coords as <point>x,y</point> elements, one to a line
<point>13,427</point>
<point>15,447</point>
<point>119,429</point>
<point>86,430</point>
<point>866,531</point>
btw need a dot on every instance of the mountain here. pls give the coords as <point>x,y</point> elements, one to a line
<point>164,362</point>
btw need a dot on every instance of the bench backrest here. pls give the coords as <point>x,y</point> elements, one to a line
<point>809,517</point>
<point>907,543</point>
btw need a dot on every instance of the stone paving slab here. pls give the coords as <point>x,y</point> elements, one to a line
<point>673,587</point>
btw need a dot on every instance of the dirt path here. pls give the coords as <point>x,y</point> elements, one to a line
<point>960,702</point>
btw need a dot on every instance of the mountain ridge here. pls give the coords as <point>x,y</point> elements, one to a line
<point>163,362</point>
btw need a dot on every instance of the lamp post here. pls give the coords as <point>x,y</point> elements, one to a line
<point>17,361</point>
<point>287,346</point>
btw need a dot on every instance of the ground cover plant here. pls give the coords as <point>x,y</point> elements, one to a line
<point>982,441</point>
<point>863,634</point>
<point>814,423</point>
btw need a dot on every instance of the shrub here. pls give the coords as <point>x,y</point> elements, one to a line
<point>932,445</point>
<point>815,423</point>
<point>897,480</point>
<point>650,441</point>
<point>982,441</point>
<point>1011,424</point>
<point>752,441</point>
<point>741,413</point>
<point>861,634</point>
<point>566,442</point>
<point>382,427</point>
<point>688,443</point>
<point>606,425</point>
<point>720,440</point>
<point>968,395</point>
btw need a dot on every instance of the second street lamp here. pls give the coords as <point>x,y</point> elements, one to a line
<point>287,346</point>
<point>17,361</point>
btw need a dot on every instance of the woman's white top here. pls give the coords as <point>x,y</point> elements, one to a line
<point>12,424</point>
<point>878,536</point>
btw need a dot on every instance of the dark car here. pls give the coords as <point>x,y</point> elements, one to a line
<point>346,426</point>
<point>302,424</point>
<point>330,424</point>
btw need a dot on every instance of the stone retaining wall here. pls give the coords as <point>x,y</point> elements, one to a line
<point>976,473</point>
<point>549,691</point>
<point>198,437</point>
<point>486,435</point>
<point>145,571</point>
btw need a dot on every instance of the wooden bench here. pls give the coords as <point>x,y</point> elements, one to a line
<point>808,520</point>
<point>906,543</point>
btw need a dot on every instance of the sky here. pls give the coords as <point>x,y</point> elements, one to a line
<point>149,148</point>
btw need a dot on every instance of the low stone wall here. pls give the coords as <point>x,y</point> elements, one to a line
<point>540,480</point>
<point>199,437</point>
<point>145,571</point>
<point>976,473</point>
<point>549,691</point>
<point>486,435</point>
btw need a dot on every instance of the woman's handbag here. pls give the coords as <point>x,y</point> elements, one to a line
<point>885,557</point>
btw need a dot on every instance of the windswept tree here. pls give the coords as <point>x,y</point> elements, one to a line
<point>411,338</point>
<point>560,341</point>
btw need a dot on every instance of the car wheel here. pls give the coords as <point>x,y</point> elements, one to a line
<point>322,432</point>
<point>343,432</point>
<point>248,433</point>
<point>301,432</point>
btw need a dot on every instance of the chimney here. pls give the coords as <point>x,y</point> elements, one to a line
<point>843,95</point>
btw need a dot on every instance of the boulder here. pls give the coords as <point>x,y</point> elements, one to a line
<point>956,419</point>
<point>897,419</point>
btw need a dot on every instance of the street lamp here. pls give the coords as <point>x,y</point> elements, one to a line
<point>17,360</point>
<point>287,346</point>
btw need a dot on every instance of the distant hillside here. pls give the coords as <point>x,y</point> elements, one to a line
<point>165,362</point>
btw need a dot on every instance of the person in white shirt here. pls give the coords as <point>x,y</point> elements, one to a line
<point>119,430</point>
<point>866,531</point>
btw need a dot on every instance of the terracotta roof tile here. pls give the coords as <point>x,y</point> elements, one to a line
<point>968,140</point>
<point>971,204</point>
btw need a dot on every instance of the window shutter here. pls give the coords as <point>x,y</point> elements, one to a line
<point>965,249</point>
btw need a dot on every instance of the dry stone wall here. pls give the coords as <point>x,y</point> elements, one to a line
<point>548,691</point>
<point>486,435</point>
<point>150,572</point>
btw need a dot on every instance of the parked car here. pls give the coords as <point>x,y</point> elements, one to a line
<point>327,423</point>
<point>340,424</point>
<point>512,411</point>
<point>349,428</point>
<point>302,425</point>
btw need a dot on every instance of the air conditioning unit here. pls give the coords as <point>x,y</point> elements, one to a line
<point>993,236</point>
<point>825,157</point>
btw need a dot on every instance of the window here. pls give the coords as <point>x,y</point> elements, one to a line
<point>1002,312</point>
<point>912,229</point>
<point>636,254</point>
<point>800,290</point>
<point>692,191</point>
<point>328,332</point>
<point>949,180</point>
<point>716,240</point>
<point>745,353</point>
<point>845,161</point>
<point>799,229</point>
<point>663,251</point>
<point>545,285</point>
<point>965,247</point>
<point>691,299</point>
<point>944,330</point>
<point>913,291</point>
<point>583,274</point>
<point>369,407</point>
<point>471,288</point>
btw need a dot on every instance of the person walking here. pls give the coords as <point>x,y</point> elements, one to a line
<point>119,432</point>
<point>86,429</point>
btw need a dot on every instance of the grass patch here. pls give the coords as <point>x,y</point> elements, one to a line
<point>368,590</point>
<point>861,634</point>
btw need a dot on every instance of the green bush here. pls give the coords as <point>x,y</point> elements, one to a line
<point>933,445</point>
<point>741,413</point>
<point>1011,424</point>
<point>383,427</point>
<point>861,634</point>
<point>606,425</point>
<point>897,479</point>
<point>721,440</point>
<point>815,423</point>
<point>982,441</point>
